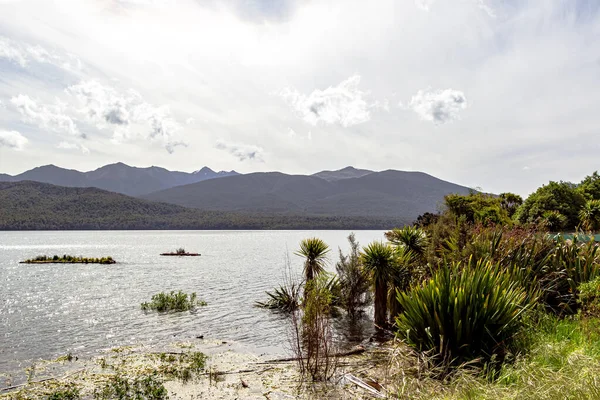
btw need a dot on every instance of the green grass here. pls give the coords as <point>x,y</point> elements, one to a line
<point>174,301</point>
<point>121,387</point>
<point>68,259</point>
<point>562,362</point>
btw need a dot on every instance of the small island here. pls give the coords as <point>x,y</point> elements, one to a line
<point>66,259</point>
<point>180,252</point>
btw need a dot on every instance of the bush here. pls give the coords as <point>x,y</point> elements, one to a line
<point>285,298</point>
<point>353,280</point>
<point>173,301</point>
<point>589,298</point>
<point>120,387</point>
<point>464,312</point>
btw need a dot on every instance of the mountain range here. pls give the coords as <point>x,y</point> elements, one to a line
<point>119,178</point>
<point>348,192</point>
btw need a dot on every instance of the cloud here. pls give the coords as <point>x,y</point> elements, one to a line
<point>51,117</point>
<point>440,106</point>
<point>73,146</point>
<point>190,121</point>
<point>343,104</point>
<point>425,5</point>
<point>13,140</point>
<point>242,152</point>
<point>109,107</point>
<point>23,53</point>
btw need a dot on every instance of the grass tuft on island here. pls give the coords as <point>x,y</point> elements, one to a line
<point>174,301</point>
<point>66,259</point>
<point>180,252</point>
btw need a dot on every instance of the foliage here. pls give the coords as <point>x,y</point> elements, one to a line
<point>69,392</point>
<point>410,238</point>
<point>589,297</point>
<point>354,282</point>
<point>180,250</point>
<point>69,259</point>
<point>560,197</point>
<point>174,301</point>
<point>463,312</point>
<point>378,261</point>
<point>426,219</point>
<point>123,388</point>
<point>312,333</point>
<point>510,202</point>
<point>589,187</point>
<point>315,251</point>
<point>477,208</point>
<point>589,215</point>
<point>285,298</point>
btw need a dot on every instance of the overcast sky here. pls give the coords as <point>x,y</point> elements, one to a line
<point>498,94</point>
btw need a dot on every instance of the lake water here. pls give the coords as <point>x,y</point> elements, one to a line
<point>48,310</point>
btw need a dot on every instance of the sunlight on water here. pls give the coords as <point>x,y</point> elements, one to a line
<point>47,310</point>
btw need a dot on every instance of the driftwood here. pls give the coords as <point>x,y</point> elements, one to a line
<point>363,385</point>
<point>180,254</point>
<point>356,350</point>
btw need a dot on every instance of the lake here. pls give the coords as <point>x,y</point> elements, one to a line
<point>49,310</point>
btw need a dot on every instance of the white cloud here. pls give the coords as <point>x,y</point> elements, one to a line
<point>190,121</point>
<point>24,53</point>
<point>344,104</point>
<point>241,151</point>
<point>439,106</point>
<point>51,117</point>
<point>12,139</point>
<point>424,4</point>
<point>124,112</point>
<point>73,146</point>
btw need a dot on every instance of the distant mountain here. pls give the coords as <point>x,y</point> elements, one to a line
<point>28,205</point>
<point>119,177</point>
<point>344,173</point>
<point>386,194</point>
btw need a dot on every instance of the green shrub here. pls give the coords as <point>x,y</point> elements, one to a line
<point>174,301</point>
<point>463,312</point>
<point>120,387</point>
<point>589,298</point>
<point>65,393</point>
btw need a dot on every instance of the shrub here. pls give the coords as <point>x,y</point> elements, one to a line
<point>174,301</point>
<point>120,387</point>
<point>353,280</point>
<point>284,298</point>
<point>65,393</point>
<point>180,250</point>
<point>464,312</point>
<point>589,298</point>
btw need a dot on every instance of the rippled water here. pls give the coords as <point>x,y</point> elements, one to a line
<point>47,310</point>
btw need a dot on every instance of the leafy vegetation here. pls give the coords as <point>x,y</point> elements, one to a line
<point>174,301</point>
<point>122,388</point>
<point>353,279</point>
<point>463,312</point>
<point>69,259</point>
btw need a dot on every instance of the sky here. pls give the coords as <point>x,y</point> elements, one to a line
<point>501,95</point>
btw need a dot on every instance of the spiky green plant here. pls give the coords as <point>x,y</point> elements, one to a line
<point>463,312</point>
<point>378,261</point>
<point>354,282</point>
<point>314,251</point>
<point>410,237</point>
<point>285,298</point>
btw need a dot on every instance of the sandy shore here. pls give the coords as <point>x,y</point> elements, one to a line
<point>226,372</point>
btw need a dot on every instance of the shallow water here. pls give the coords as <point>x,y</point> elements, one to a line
<point>48,310</point>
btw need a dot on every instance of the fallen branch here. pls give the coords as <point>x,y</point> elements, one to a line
<point>357,350</point>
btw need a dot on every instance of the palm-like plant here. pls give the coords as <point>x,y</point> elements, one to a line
<point>590,215</point>
<point>378,260</point>
<point>411,238</point>
<point>314,250</point>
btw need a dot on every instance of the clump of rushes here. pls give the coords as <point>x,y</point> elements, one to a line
<point>174,301</point>
<point>67,259</point>
<point>180,250</point>
<point>464,312</point>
